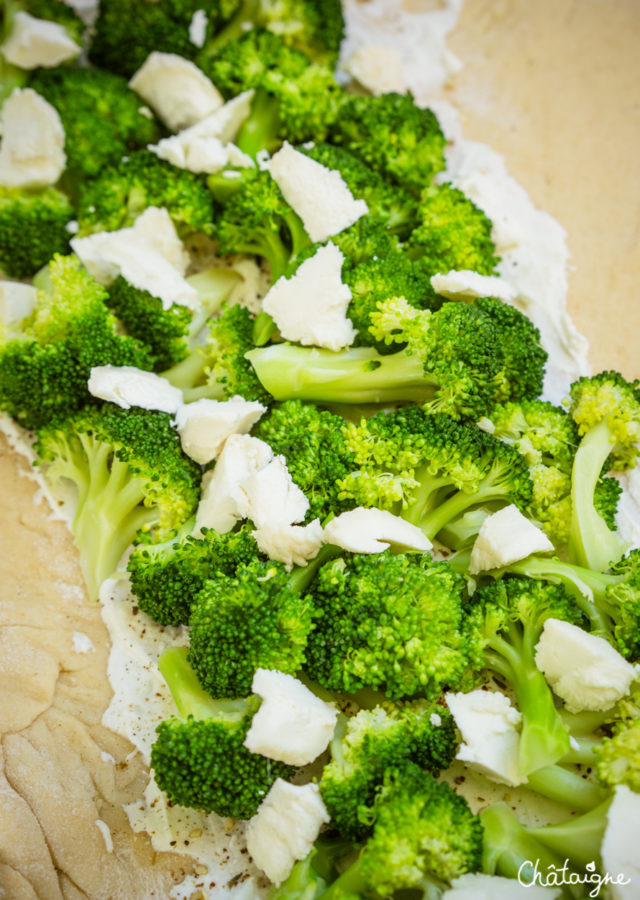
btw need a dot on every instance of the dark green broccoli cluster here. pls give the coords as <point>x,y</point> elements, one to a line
<point>33,228</point>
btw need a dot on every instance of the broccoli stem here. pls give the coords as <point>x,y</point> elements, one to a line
<point>355,375</point>
<point>578,840</point>
<point>190,376</point>
<point>591,543</point>
<point>566,787</point>
<point>260,129</point>
<point>302,576</point>
<point>491,490</point>
<point>188,695</point>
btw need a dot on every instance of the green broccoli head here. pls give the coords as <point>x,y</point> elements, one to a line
<point>618,757</point>
<point>312,440</point>
<point>373,741</point>
<point>165,578</point>
<point>253,619</point>
<point>103,118</point>
<point>130,475</point>
<point>121,192</point>
<point>33,228</point>
<point>44,368</point>
<point>316,27</point>
<point>453,233</point>
<point>397,138</point>
<point>388,622</point>
<point>199,759</point>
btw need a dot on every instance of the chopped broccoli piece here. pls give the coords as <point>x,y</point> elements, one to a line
<point>45,365</point>
<point>454,233</point>
<point>121,192</point>
<point>316,27</point>
<point>618,757</point>
<point>165,578</point>
<point>393,623</point>
<point>198,757</point>
<point>456,360</point>
<point>101,116</point>
<point>606,410</point>
<point>32,228</point>
<point>130,474</point>
<point>367,744</point>
<point>397,138</point>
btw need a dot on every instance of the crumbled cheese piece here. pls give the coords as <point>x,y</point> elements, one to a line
<point>436,720</point>
<point>105,831</point>
<point>373,530</point>
<point>205,425</point>
<point>620,845</point>
<point>269,496</point>
<point>82,643</point>
<point>240,456</point>
<point>583,669</point>
<point>149,256</point>
<point>378,67</point>
<point>478,886</point>
<point>285,827</point>
<point>254,285</point>
<point>198,28</point>
<point>504,538</point>
<point>179,92</point>
<point>466,285</point>
<point>319,195</point>
<point>127,386</point>
<point>489,727</point>
<point>292,725</point>
<point>17,301</point>
<point>292,545</point>
<point>38,42</point>
<point>32,149</point>
<point>311,306</point>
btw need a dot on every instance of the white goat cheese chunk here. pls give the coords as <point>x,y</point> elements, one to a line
<point>145,255</point>
<point>311,306</point>
<point>505,537</point>
<point>477,886</point>
<point>489,727</point>
<point>205,147</point>
<point>17,301</point>
<point>269,496</point>
<point>466,285</point>
<point>205,425</point>
<point>32,150</point>
<point>620,845</point>
<point>178,91</point>
<point>127,386</point>
<point>240,456</point>
<point>292,725</point>
<point>285,827</point>
<point>38,42</point>
<point>292,545</point>
<point>319,195</point>
<point>198,28</point>
<point>583,669</point>
<point>363,530</point>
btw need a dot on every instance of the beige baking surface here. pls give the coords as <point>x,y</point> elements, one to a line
<point>552,85</point>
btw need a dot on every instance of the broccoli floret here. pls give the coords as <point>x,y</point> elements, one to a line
<point>431,469</point>
<point>165,578</point>
<point>453,234</point>
<point>198,757</point>
<point>363,241</point>
<point>397,138</point>
<point>101,115</point>
<point>506,622</point>
<point>148,26</point>
<point>171,334</point>
<point>218,368</point>
<point>618,757</point>
<point>387,203</point>
<point>32,228</point>
<point>367,744</point>
<point>424,835</point>
<point>456,361</point>
<point>606,410</point>
<point>393,623</point>
<point>310,876</point>
<point>121,192</point>
<point>255,218</point>
<point>295,100</point>
<point>45,365</point>
<point>314,26</point>
<point>258,618</point>
<point>312,440</point>
<point>130,474</point>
